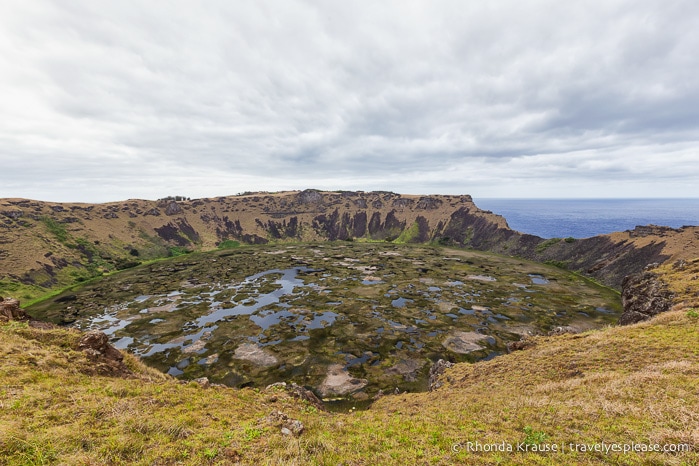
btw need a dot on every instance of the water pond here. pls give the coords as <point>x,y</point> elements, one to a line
<point>346,320</point>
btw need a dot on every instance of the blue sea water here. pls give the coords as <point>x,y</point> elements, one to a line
<point>582,218</point>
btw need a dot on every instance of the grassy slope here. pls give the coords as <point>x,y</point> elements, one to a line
<point>618,385</point>
<point>45,246</point>
<point>108,232</point>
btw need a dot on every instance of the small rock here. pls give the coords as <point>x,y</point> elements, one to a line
<point>276,416</point>
<point>293,427</point>
<point>10,310</point>
<point>232,454</point>
<point>679,264</point>
<point>563,330</point>
<point>298,392</point>
<point>436,371</point>
<point>306,395</point>
<point>520,345</point>
<point>95,342</point>
<point>276,386</point>
<point>203,381</point>
<point>107,359</point>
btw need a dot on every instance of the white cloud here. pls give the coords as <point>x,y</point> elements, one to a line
<point>106,100</point>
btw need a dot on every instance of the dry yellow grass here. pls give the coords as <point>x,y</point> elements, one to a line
<point>617,386</point>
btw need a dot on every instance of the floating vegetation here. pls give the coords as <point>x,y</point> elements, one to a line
<point>369,315</point>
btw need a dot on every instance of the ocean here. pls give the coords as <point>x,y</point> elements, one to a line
<point>582,218</point>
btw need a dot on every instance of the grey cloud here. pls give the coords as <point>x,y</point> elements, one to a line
<point>389,95</point>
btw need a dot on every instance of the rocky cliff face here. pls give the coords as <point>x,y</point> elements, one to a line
<point>43,245</point>
<point>644,295</point>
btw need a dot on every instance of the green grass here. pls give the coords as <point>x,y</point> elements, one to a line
<point>55,228</point>
<point>176,251</point>
<point>409,234</point>
<point>560,264</point>
<point>229,244</point>
<point>533,437</point>
<point>635,384</point>
<point>541,247</point>
<point>20,290</point>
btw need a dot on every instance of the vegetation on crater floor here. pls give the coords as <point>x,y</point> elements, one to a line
<point>383,312</point>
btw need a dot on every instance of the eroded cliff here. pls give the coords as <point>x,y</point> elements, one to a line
<point>47,245</point>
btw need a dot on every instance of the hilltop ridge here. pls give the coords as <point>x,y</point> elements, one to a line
<point>48,245</point>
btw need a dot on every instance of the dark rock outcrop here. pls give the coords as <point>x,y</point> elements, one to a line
<point>306,395</point>
<point>643,296</point>
<point>606,260</point>
<point>436,371</point>
<point>13,214</point>
<point>428,203</point>
<point>651,230</point>
<point>173,208</point>
<point>309,196</point>
<point>108,360</point>
<point>179,232</point>
<point>10,310</point>
<point>360,203</point>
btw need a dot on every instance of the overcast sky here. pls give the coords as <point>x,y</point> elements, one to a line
<point>109,100</point>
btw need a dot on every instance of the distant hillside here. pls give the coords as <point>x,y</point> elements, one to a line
<point>46,245</point>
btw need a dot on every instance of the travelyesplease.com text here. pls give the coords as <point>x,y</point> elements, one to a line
<point>606,448</point>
